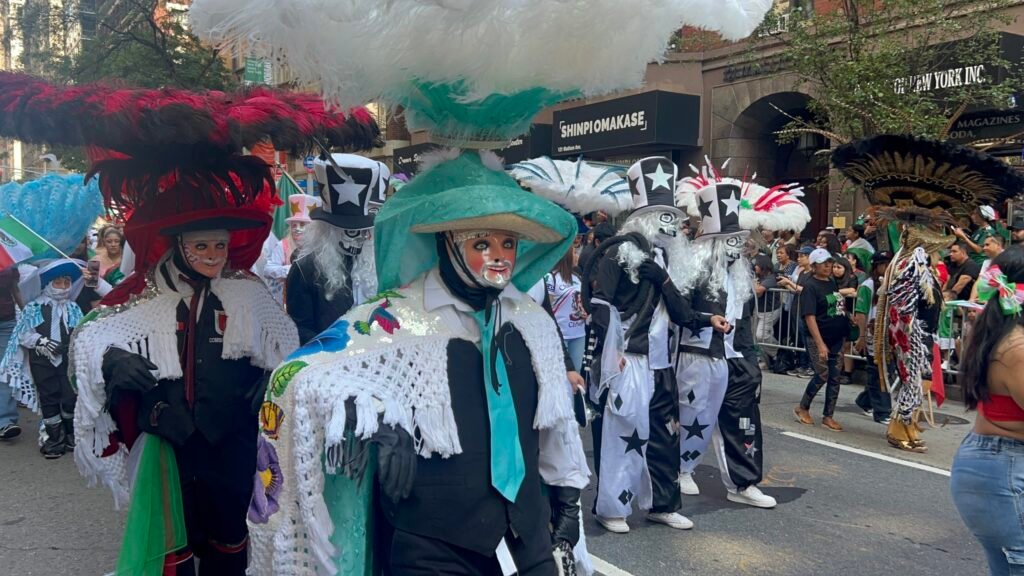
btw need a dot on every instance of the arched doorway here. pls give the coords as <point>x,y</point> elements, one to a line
<point>750,140</point>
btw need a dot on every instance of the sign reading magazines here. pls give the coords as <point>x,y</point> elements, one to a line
<point>660,118</point>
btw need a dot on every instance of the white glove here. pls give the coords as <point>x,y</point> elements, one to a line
<point>47,347</point>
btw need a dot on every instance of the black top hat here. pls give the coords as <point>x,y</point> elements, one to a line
<point>353,189</point>
<point>901,170</point>
<point>652,182</point>
<point>718,206</point>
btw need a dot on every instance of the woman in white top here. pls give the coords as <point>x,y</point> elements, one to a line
<point>562,289</point>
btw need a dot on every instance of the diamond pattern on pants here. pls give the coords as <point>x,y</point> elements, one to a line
<point>691,397</point>
<point>617,402</point>
<point>626,497</point>
<point>690,455</point>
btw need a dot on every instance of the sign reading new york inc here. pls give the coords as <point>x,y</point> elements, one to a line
<point>649,118</point>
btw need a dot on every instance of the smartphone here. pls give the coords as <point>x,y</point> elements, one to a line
<point>93,280</point>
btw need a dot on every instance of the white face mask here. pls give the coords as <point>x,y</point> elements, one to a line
<point>57,294</point>
<point>489,255</point>
<point>668,224</point>
<point>734,248</point>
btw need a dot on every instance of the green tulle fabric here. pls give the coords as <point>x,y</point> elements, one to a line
<point>450,111</point>
<point>350,504</point>
<point>454,190</point>
<point>156,520</point>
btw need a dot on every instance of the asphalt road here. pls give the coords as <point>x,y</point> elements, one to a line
<point>839,512</point>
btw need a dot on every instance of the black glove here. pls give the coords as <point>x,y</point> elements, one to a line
<point>396,461</point>
<point>565,514</point>
<point>653,273</point>
<point>125,371</point>
<point>169,418</point>
<point>44,346</point>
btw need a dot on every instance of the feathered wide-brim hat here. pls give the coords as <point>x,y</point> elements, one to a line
<point>461,192</point>
<point>904,170</point>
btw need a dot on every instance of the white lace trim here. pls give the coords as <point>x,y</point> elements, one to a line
<point>405,376</point>
<point>257,328</point>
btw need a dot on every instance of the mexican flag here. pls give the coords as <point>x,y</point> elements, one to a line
<point>18,242</point>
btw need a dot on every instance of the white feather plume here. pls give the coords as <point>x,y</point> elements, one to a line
<point>363,50</point>
<point>776,208</point>
<point>577,186</point>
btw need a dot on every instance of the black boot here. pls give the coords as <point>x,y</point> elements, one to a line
<point>69,433</point>
<point>53,446</point>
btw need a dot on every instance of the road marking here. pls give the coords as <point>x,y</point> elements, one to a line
<point>606,568</point>
<point>882,457</point>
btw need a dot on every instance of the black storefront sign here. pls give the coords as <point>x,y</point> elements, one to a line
<point>650,119</point>
<point>406,160</point>
<point>535,143</point>
<point>988,125</point>
<point>953,70</point>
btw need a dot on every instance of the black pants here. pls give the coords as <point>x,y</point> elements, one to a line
<point>56,396</point>
<point>873,398</point>
<point>216,487</point>
<point>739,423</point>
<point>415,555</point>
<point>826,373</point>
<point>663,444</point>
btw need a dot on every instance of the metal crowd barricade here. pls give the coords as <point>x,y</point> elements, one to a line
<point>778,325</point>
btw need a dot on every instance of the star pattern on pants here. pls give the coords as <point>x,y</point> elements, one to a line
<point>695,429</point>
<point>634,442</point>
<point>751,449</point>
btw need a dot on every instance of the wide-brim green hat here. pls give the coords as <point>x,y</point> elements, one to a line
<point>465,194</point>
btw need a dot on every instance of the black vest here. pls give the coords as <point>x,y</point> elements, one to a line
<point>453,499</point>
<point>223,388</point>
<point>307,300</point>
<point>705,305</point>
<point>38,360</point>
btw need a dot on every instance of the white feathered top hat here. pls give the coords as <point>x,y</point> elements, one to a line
<point>577,186</point>
<point>776,208</point>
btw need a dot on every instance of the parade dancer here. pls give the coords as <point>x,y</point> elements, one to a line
<point>729,209</point>
<point>279,262</point>
<point>408,364</point>
<point>917,183</point>
<point>35,363</point>
<point>182,348</point>
<point>335,267</point>
<point>634,305</point>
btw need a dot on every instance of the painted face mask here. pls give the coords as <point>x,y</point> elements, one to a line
<point>668,224</point>
<point>734,248</point>
<point>206,251</point>
<point>296,230</point>
<point>489,255</point>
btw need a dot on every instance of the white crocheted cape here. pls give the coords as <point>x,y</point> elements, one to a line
<point>257,328</point>
<point>390,357</point>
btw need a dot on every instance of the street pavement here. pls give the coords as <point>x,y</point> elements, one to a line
<point>840,512</point>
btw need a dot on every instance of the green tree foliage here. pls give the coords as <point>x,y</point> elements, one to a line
<point>137,43</point>
<point>893,66</point>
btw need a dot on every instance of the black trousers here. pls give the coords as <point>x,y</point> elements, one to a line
<point>56,396</point>
<point>739,423</point>
<point>663,444</point>
<point>216,487</point>
<point>415,555</point>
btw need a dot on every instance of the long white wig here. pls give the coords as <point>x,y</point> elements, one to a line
<point>650,226</point>
<point>709,263</point>
<point>328,245</point>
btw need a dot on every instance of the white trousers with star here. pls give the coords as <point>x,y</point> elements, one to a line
<point>702,384</point>
<point>624,479</point>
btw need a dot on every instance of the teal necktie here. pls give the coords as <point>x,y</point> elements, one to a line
<point>507,466</point>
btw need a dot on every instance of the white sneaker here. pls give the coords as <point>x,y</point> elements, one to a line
<point>751,496</point>
<point>614,525</point>
<point>687,485</point>
<point>671,519</point>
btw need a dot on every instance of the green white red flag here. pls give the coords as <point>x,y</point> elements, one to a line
<point>18,242</point>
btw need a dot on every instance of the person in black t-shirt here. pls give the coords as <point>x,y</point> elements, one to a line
<point>824,311</point>
<point>962,274</point>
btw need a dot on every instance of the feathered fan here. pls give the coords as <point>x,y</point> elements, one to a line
<point>59,208</point>
<point>577,186</point>
<point>129,120</point>
<point>776,208</point>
